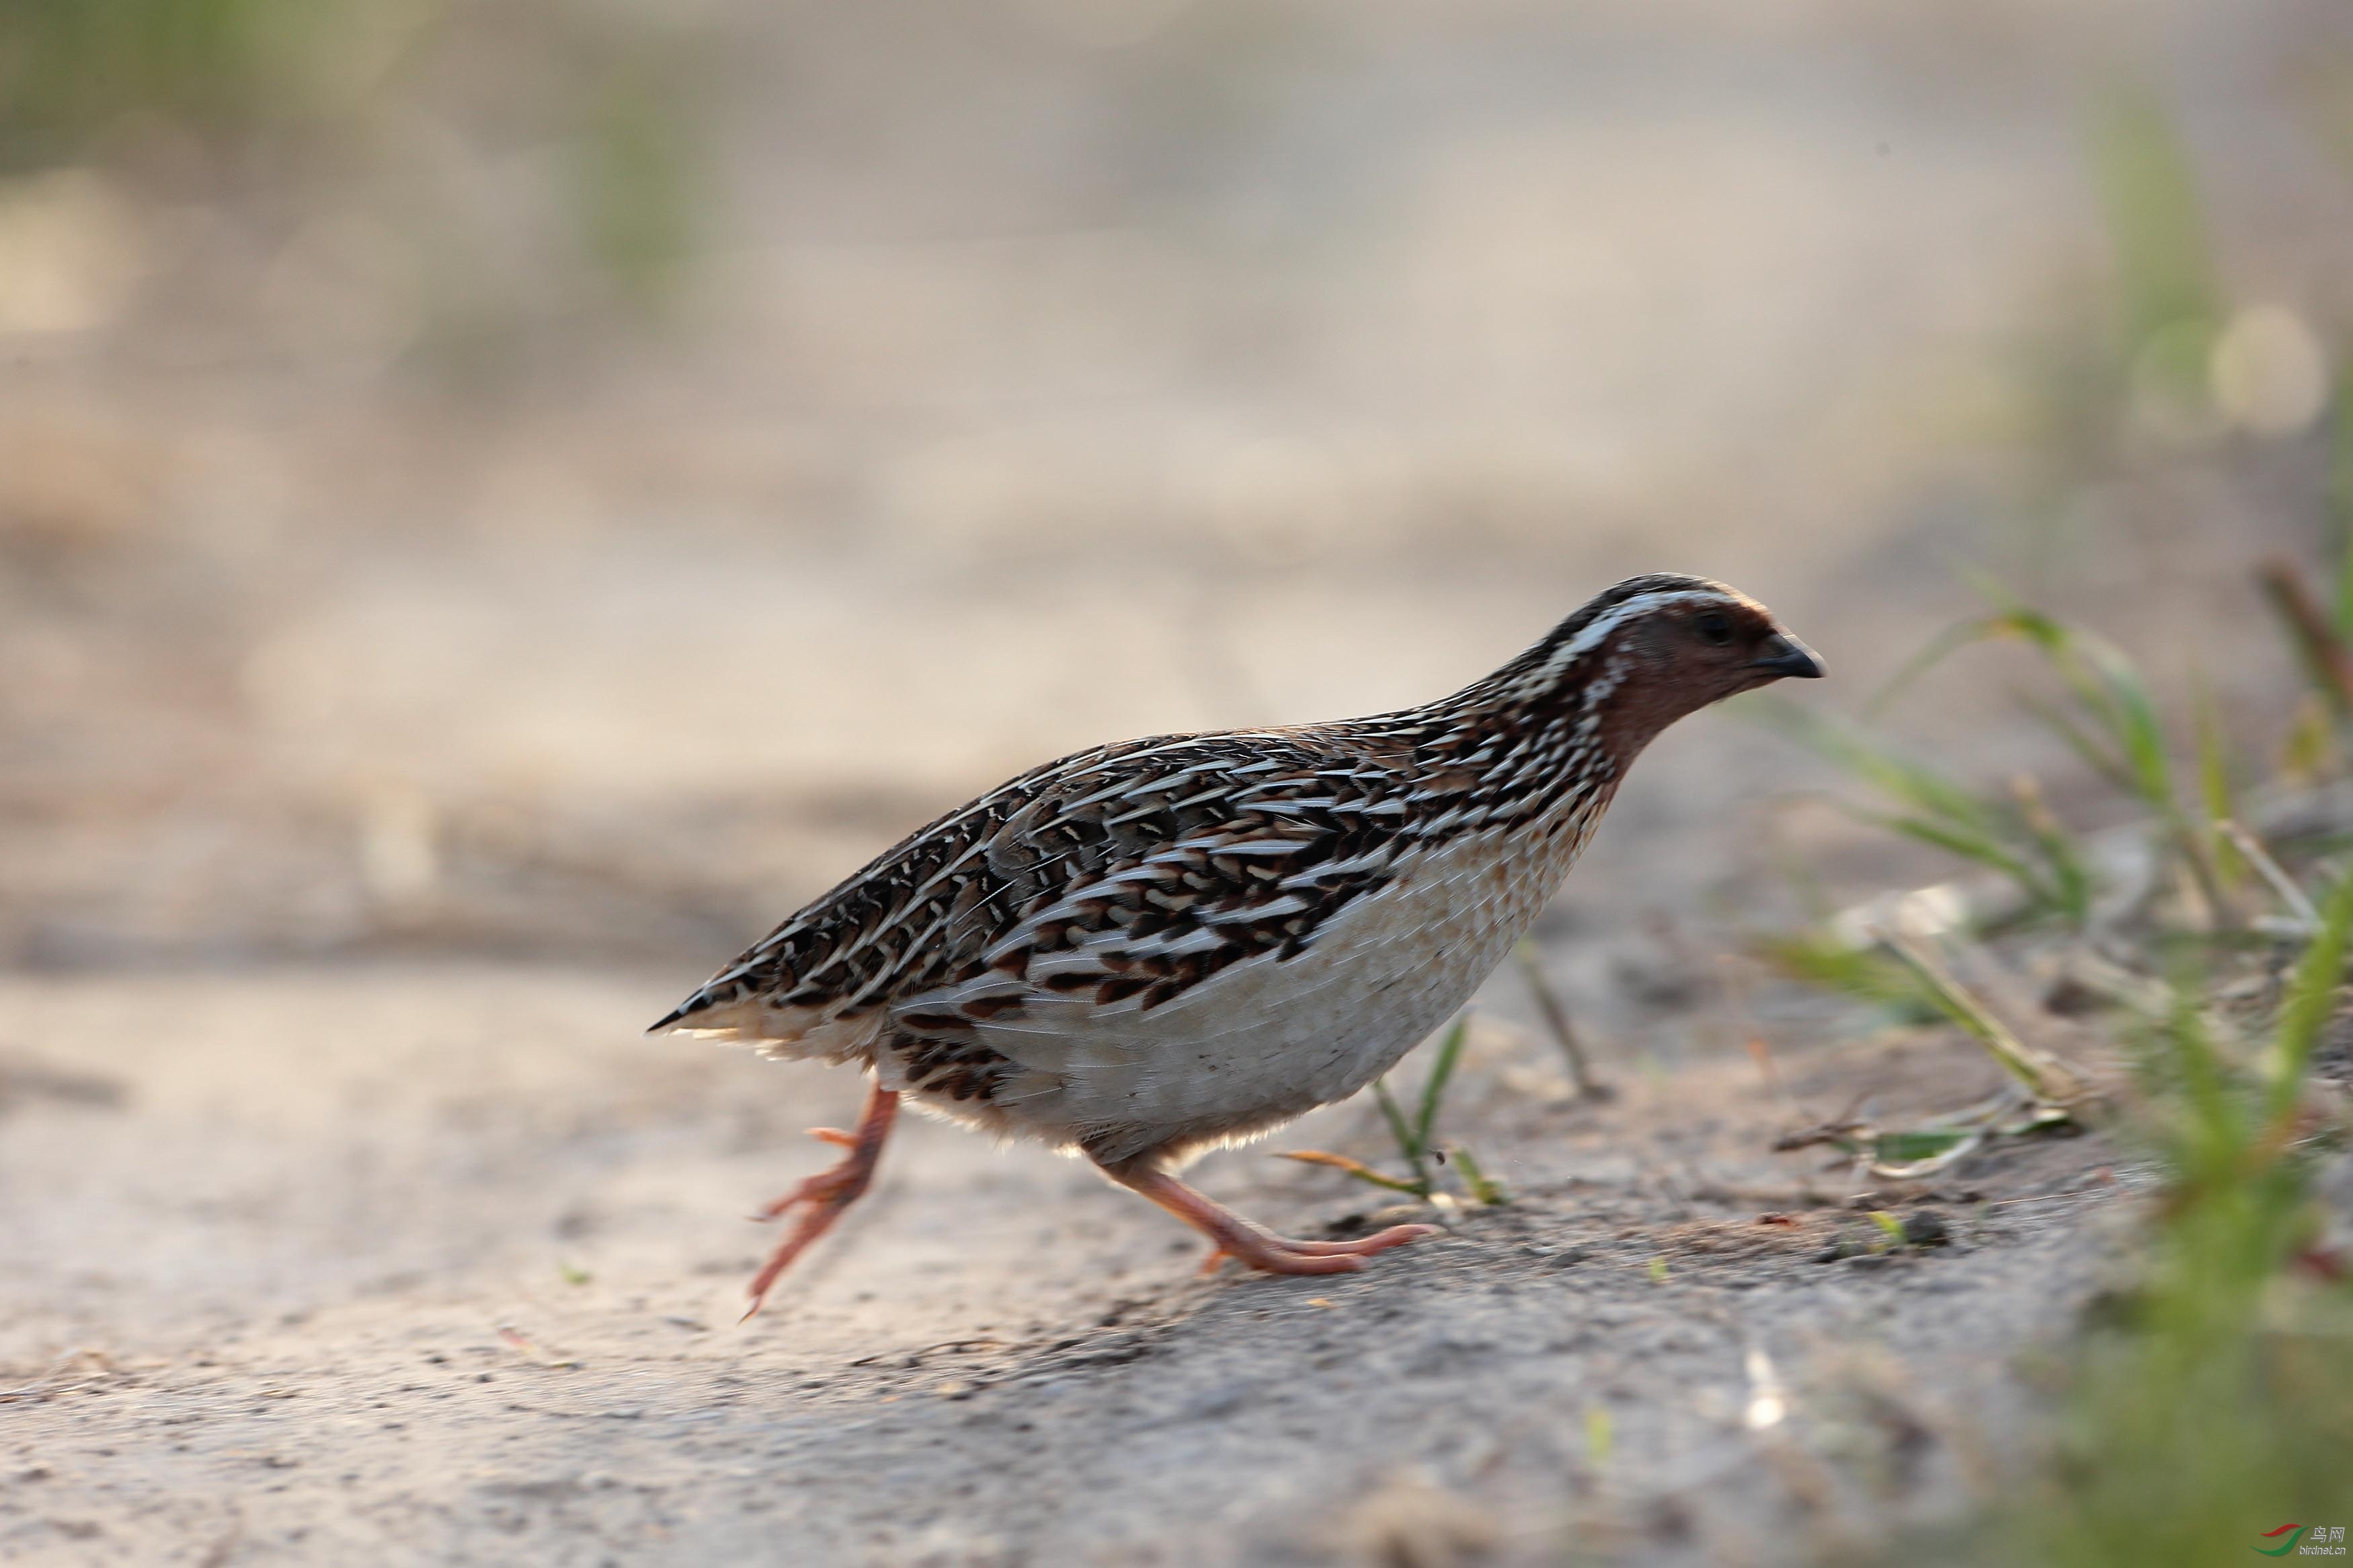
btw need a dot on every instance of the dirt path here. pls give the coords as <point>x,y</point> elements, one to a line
<point>441,1264</point>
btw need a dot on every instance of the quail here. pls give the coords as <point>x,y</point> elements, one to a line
<point>1153,949</point>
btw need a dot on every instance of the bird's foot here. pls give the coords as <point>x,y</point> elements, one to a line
<point>822,1197</point>
<point>834,1185</point>
<point>1230,1235</point>
<point>1281,1255</point>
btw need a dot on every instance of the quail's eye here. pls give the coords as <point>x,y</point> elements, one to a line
<point>1715,626</point>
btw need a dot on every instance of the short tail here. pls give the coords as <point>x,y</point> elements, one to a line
<point>707,1012</point>
<point>724,1011</point>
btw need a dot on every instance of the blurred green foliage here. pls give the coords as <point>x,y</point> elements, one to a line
<point>2169,300</point>
<point>604,87</point>
<point>2166,366</point>
<point>2213,1397</point>
<point>72,69</point>
<point>2219,1402</point>
<point>635,179</point>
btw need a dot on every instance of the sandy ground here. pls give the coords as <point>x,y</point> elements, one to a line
<point>346,1216</point>
<point>442,1263</point>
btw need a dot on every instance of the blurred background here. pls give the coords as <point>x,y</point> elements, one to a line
<point>502,500</point>
<point>570,478</point>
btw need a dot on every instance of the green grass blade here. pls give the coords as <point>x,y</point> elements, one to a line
<point>1909,1155</point>
<point>1355,1168</point>
<point>2070,880</point>
<point>1485,1188</point>
<point>2078,740</point>
<point>2251,851</point>
<point>2111,693</point>
<point>2043,1075</point>
<point>1940,647</point>
<point>1983,850</point>
<point>1820,959</point>
<point>1905,782</point>
<point>2212,1123</point>
<point>1433,1090</point>
<point>2215,794</point>
<point>1557,1022</point>
<point>2120,734</point>
<point>1403,1134</point>
<point>2311,999</point>
<point>2115,701</point>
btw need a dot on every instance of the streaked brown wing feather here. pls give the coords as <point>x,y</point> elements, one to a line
<point>1122,875</point>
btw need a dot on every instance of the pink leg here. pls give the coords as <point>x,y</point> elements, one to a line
<point>1230,1235</point>
<point>828,1192</point>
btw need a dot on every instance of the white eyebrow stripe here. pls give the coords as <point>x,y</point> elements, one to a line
<point>1610,620</point>
<point>1599,631</point>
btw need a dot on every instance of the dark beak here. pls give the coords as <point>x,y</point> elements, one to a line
<point>1784,654</point>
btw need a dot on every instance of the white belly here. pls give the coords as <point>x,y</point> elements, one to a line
<point>1264,1041</point>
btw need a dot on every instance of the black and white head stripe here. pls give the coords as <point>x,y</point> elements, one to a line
<point>1592,626</point>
